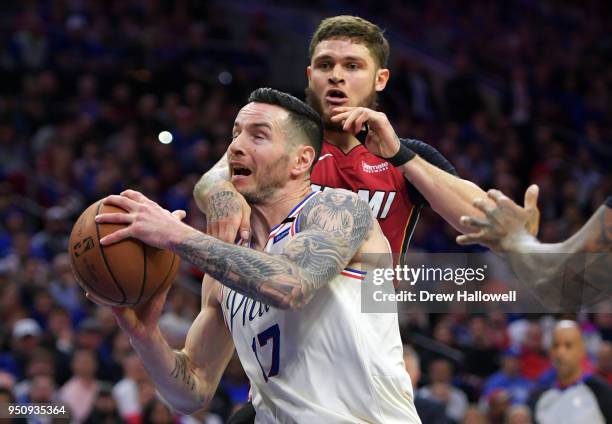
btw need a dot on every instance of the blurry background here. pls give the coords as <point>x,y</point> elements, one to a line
<point>511,92</point>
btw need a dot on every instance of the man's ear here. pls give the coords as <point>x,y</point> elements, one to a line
<point>309,72</point>
<point>304,157</point>
<point>382,77</point>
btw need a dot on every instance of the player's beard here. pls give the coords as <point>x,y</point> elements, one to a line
<point>315,101</point>
<point>275,179</point>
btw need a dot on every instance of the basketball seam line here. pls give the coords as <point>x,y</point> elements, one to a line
<point>144,272</point>
<point>110,271</point>
<point>166,277</point>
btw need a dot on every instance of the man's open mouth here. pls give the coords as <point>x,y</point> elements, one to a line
<point>237,170</point>
<point>336,97</point>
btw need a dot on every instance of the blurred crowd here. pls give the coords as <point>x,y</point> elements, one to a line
<point>86,88</point>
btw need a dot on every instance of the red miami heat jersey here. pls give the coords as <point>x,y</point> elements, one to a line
<point>374,180</point>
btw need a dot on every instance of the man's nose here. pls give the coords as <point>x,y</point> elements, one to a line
<point>337,74</point>
<point>236,146</point>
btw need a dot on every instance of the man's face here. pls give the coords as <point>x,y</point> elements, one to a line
<point>511,365</point>
<point>342,73</point>
<point>259,153</point>
<point>566,351</point>
<point>42,390</point>
<point>84,364</point>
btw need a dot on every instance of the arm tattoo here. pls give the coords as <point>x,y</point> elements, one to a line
<point>181,371</point>
<point>222,204</point>
<point>333,226</point>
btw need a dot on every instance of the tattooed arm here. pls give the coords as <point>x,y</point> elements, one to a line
<point>227,213</point>
<point>188,378</point>
<point>333,225</point>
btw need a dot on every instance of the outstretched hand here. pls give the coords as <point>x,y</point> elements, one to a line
<point>506,224</point>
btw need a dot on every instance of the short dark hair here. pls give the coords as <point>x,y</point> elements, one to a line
<point>357,30</point>
<point>302,117</point>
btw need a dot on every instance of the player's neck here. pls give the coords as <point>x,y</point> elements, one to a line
<point>271,212</point>
<point>343,140</point>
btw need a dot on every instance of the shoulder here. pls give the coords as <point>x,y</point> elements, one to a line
<point>335,210</point>
<point>603,394</point>
<point>600,387</point>
<point>429,153</point>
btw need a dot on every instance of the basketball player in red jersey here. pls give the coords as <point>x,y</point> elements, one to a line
<point>398,177</point>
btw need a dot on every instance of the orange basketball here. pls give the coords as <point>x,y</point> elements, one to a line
<point>123,274</point>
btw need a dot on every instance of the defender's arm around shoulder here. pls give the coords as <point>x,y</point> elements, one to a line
<point>450,196</point>
<point>227,213</point>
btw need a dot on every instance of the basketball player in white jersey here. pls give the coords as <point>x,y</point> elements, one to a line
<point>290,302</point>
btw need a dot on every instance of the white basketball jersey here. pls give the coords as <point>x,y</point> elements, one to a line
<point>325,363</point>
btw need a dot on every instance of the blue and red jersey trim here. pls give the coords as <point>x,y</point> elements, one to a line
<point>294,224</point>
<point>353,273</point>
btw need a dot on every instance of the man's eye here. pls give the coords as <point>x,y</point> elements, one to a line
<point>324,65</point>
<point>352,66</point>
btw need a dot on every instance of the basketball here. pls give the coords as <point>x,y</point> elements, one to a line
<point>122,274</point>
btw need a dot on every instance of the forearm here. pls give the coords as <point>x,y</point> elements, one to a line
<point>172,373</point>
<point>537,264</point>
<point>563,281</point>
<point>594,237</point>
<point>580,263</point>
<point>216,177</point>
<point>450,196</point>
<point>271,279</point>
<point>332,227</point>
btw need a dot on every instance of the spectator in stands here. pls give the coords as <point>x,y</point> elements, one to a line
<point>41,363</point>
<point>509,378</point>
<point>6,397</point>
<point>441,389</point>
<point>80,392</point>
<point>25,340</point>
<point>157,412</point>
<point>104,410</point>
<point>518,414</point>
<point>42,390</point>
<point>498,404</point>
<point>534,359</point>
<point>429,410</point>
<point>125,391</point>
<point>473,415</point>
<point>604,362</point>
<point>63,286</point>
